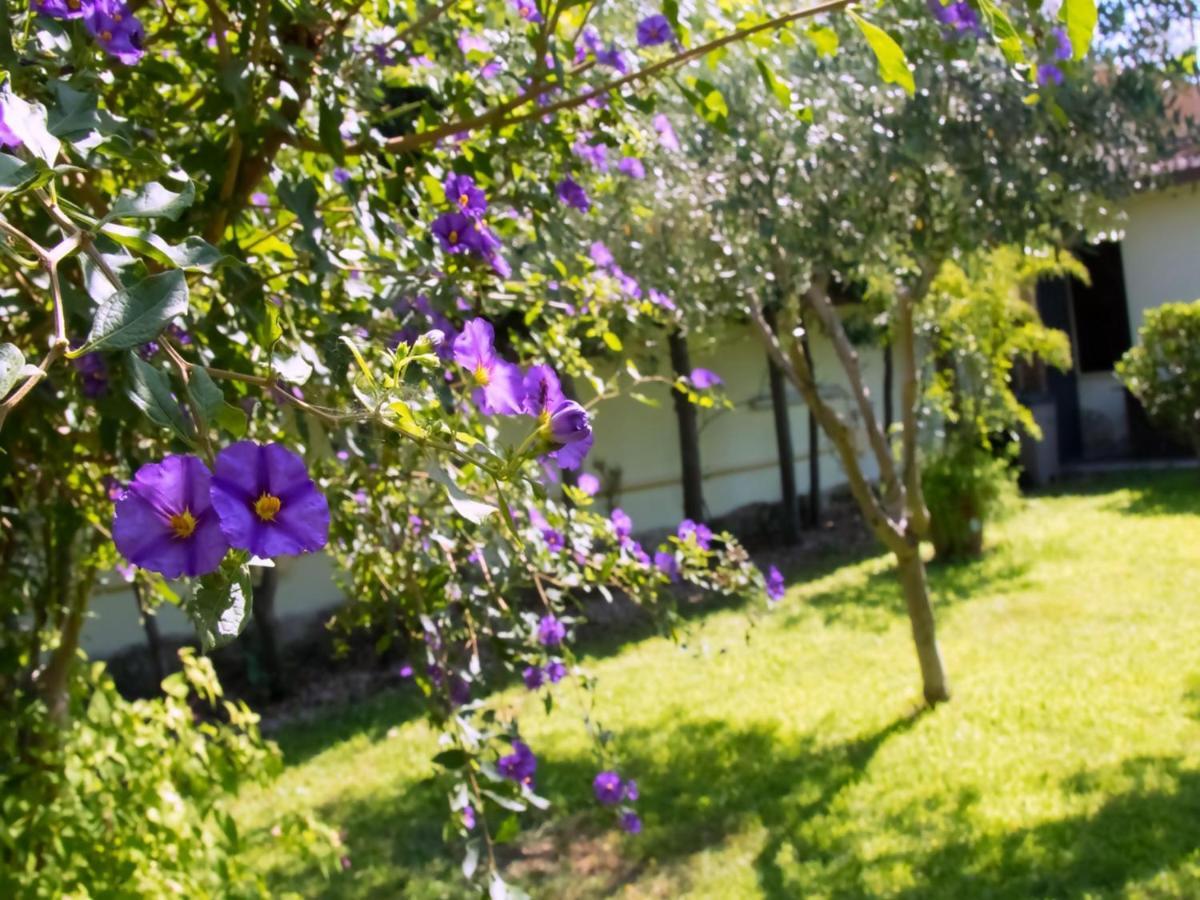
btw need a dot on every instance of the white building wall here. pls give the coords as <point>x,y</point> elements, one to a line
<point>737,446</point>
<point>1161,250</point>
<point>1160,255</point>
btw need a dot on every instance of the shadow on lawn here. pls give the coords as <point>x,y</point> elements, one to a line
<point>875,601</point>
<point>1139,831</point>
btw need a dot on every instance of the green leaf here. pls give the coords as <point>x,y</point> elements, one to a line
<point>150,392</point>
<point>28,122</point>
<point>893,66</point>
<point>153,201</point>
<point>16,174</point>
<point>135,315</point>
<point>508,830</point>
<point>220,607</point>
<point>714,101</point>
<point>451,759</point>
<point>612,342</point>
<point>779,88</point>
<point>329,130</point>
<point>1080,18</point>
<point>194,254</point>
<point>12,361</point>
<point>824,39</point>
<point>211,400</point>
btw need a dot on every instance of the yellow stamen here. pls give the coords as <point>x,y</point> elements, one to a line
<point>453,237</point>
<point>482,378</point>
<point>106,36</point>
<point>183,524</point>
<point>463,200</point>
<point>266,507</point>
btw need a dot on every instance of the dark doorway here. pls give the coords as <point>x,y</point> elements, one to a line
<point>1054,306</point>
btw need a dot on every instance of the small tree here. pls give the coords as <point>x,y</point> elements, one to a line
<point>979,320</point>
<point>1163,370</point>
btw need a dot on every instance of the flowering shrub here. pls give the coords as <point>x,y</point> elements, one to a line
<point>284,277</point>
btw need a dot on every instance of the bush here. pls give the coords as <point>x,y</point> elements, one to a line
<point>127,801</point>
<point>1163,370</point>
<point>965,486</point>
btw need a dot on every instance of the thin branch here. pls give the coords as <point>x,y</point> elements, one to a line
<point>31,382</point>
<point>794,364</point>
<point>496,116</point>
<point>818,298</point>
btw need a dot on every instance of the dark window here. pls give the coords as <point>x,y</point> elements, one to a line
<point>1099,309</point>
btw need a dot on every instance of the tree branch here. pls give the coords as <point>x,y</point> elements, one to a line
<point>496,116</point>
<point>818,299</point>
<point>795,366</point>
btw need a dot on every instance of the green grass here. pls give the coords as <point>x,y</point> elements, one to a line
<point>793,765</point>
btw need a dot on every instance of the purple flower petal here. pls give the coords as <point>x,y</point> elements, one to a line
<point>267,502</point>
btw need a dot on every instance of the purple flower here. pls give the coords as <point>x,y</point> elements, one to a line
<point>665,563</point>
<point>1049,73</point>
<point>564,423</point>
<point>61,9</point>
<point>658,298</point>
<point>628,283</point>
<point>556,671</point>
<point>666,134</point>
<point>572,193</point>
<point>703,379</point>
<point>466,196</point>
<point>340,175</point>
<point>631,823</point>
<point>457,233</point>
<point>468,817</point>
<point>589,484</point>
<point>460,690</point>
<point>654,30</point>
<point>629,790</point>
<point>8,137</point>
<point>601,255</point>
<point>639,553</point>
<point>267,502</point>
<point>528,11</point>
<point>498,383</point>
<point>551,631</point>
<point>622,524</point>
<point>613,58</point>
<point>554,539</point>
<point>595,155</point>
<point>631,166</point>
<point>468,43</point>
<point>258,198</point>
<point>775,586</point>
<point>607,788</point>
<point>518,765</point>
<point>533,677</point>
<point>93,371</point>
<point>697,531</point>
<point>116,29</point>
<point>1062,44</point>
<point>166,523</point>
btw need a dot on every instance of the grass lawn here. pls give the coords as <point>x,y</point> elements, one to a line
<point>792,764</point>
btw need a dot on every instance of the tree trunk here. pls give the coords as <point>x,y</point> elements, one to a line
<point>783,447</point>
<point>813,510</point>
<point>911,569</point>
<point>889,389</point>
<point>689,433</point>
<point>268,641</point>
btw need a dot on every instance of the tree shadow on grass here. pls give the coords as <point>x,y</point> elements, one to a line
<point>1148,827</point>
<point>874,601</point>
